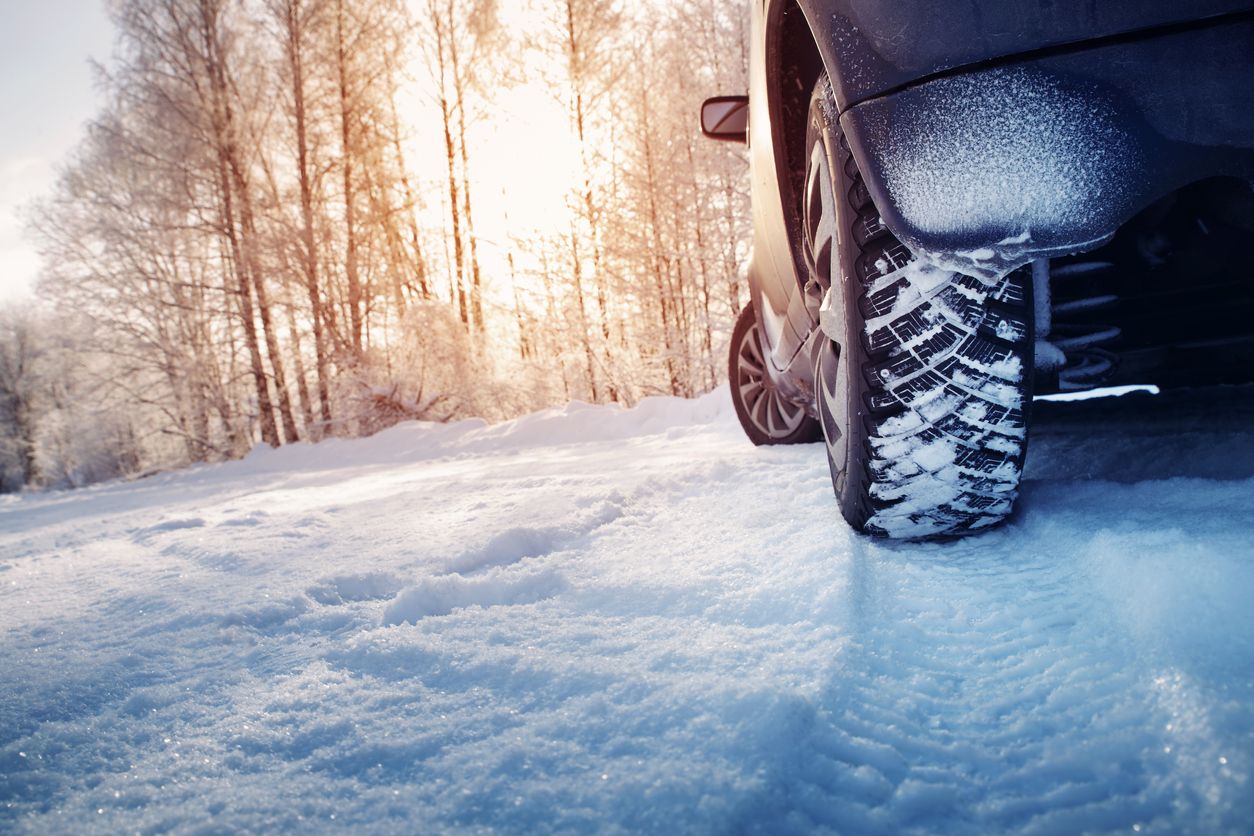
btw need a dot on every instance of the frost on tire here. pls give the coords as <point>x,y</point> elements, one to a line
<point>925,374</point>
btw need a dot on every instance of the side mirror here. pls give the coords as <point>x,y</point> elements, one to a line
<point>726,118</point>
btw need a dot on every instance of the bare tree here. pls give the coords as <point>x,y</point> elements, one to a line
<point>297,29</point>
<point>19,357</point>
<point>250,234</point>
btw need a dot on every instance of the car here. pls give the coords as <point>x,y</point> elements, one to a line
<point>958,206</point>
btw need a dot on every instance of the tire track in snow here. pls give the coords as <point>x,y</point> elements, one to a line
<point>987,689</point>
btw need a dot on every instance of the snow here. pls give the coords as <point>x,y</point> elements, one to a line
<point>1101,392</point>
<point>1003,154</point>
<point>633,620</point>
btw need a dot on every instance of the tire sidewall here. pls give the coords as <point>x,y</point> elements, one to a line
<point>851,493</point>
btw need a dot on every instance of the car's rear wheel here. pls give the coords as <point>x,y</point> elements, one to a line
<point>922,376</point>
<point>765,414</point>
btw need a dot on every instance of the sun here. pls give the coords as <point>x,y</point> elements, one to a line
<point>526,164</point>
<point>524,158</point>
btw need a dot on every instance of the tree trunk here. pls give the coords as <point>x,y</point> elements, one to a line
<point>657,259</point>
<point>698,221</point>
<point>222,149</point>
<point>407,192</point>
<point>302,386</point>
<point>296,63</point>
<point>24,429</point>
<point>459,90</point>
<point>346,167</point>
<point>577,81</point>
<point>524,348</point>
<point>583,312</point>
<point>446,117</point>
<point>551,311</point>
<point>263,306</point>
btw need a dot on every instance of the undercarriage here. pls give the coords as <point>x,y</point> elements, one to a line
<point>1169,300</point>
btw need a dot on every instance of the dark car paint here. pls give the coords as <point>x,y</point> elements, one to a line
<point>879,46</point>
<point>1156,114</point>
<point>1178,93</point>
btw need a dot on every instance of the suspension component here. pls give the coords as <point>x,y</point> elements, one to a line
<point>1073,348</point>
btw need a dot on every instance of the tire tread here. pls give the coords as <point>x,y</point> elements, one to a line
<point>948,366</point>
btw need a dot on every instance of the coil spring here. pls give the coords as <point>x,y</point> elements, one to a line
<point>1088,363</point>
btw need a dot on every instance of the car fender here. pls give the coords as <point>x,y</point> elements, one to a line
<point>1043,153</point>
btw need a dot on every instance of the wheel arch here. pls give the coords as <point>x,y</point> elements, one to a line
<point>1084,142</point>
<point>793,63</point>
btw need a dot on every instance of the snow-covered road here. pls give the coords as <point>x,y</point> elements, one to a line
<point>598,620</point>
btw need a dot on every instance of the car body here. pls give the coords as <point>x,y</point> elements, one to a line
<point>1170,85</point>
<point>996,134</point>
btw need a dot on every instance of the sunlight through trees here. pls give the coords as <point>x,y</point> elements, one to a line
<point>294,219</point>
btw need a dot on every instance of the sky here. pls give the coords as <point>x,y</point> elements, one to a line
<point>46,96</point>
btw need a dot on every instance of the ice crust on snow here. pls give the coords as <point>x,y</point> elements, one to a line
<point>610,620</point>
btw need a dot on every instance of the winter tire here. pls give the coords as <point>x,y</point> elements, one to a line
<point>765,414</point>
<point>922,376</point>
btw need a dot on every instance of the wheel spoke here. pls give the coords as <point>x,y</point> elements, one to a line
<point>822,228</point>
<point>794,414</point>
<point>790,411</point>
<point>755,410</point>
<point>814,213</point>
<point>831,378</point>
<point>748,363</point>
<point>753,398</point>
<point>772,411</point>
<point>755,346</point>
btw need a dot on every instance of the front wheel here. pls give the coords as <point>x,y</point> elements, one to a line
<point>922,376</point>
<point>765,414</point>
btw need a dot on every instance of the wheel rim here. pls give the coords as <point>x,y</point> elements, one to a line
<point>831,373</point>
<point>772,414</point>
<point>820,210</point>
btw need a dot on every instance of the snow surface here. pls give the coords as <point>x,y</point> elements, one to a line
<point>599,619</point>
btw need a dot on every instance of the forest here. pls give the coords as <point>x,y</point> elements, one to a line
<point>299,219</point>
